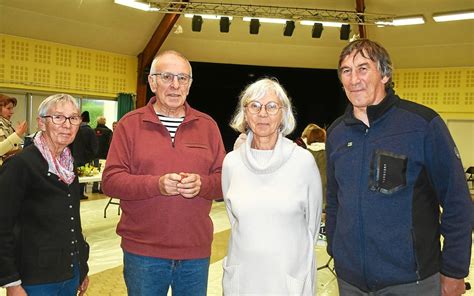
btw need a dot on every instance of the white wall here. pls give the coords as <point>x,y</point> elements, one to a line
<point>463,135</point>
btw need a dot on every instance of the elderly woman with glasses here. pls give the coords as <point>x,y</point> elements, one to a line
<point>272,190</point>
<point>42,249</point>
<point>10,138</point>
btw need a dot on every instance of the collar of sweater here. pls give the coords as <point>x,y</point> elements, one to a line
<point>374,112</point>
<point>280,154</point>
<point>5,122</point>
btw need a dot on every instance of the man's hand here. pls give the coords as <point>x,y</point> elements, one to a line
<point>189,185</point>
<point>452,286</point>
<point>83,287</point>
<point>16,291</point>
<point>169,184</point>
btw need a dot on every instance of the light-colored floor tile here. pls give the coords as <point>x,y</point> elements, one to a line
<point>106,256</point>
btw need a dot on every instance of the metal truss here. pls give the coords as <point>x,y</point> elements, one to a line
<point>289,13</point>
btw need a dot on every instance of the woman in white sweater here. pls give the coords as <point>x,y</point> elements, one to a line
<point>272,190</point>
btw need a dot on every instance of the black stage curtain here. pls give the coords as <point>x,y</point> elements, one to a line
<point>316,94</point>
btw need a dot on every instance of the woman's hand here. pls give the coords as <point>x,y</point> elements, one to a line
<point>20,129</point>
<point>83,287</point>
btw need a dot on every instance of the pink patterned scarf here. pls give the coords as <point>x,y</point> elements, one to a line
<point>61,166</point>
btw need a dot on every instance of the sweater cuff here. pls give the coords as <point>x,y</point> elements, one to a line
<point>15,283</point>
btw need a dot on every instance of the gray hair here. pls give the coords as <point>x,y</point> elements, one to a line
<point>101,119</point>
<point>156,59</point>
<point>257,91</point>
<point>53,100</point>
<point>370,50</point>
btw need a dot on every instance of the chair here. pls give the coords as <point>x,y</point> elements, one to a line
<point>470,178</point>
<point>322,238</point>
<point>111,201</point>
<point>328,266</point>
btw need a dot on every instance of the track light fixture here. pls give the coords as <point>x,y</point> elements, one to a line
<point>289,28</point>
<point>345,32</point>
<point>224,24</point>
<point>317,30</point>
<point>254,26</point>
<point>197,23</point>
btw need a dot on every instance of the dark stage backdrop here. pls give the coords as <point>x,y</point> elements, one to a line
<point>316,94</point>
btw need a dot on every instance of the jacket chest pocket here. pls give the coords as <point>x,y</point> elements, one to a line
<point>387,172</point>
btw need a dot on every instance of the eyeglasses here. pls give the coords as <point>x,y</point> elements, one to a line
<point>166,77</point>
<point>254,107</point>
<point>60,119</point>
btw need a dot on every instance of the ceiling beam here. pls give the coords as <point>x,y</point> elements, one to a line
<point>151,49</point>
<point>146,56</point>
<point>360,8</point>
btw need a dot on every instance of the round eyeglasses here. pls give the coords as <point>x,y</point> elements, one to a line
<point>166,77</point>
<point>271,108</point>
<point>60,119</point>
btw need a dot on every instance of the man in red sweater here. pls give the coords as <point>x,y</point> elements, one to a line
<point>164,164</point>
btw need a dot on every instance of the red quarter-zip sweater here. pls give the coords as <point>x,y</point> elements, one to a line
<point>171,227</point>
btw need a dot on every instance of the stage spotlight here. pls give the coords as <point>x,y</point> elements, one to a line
<point>317,30</point>
<point>197,23</point>
<point>224,24</point>
<point>345,32</point>
<point>254,26</point>
<point>289,28</point>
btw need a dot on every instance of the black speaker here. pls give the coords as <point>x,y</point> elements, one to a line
<point>197,23</point>
<point>289,28</point>
<point>254,26</point>
<point>317,30</point>
<point>224,24</point>
<point>345,32</point>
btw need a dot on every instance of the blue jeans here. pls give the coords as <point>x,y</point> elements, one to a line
<point>153,276</point>
<point>65,288</point>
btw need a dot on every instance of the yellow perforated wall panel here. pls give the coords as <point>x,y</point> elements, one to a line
<point>446,90</point>
<point>40,65</point>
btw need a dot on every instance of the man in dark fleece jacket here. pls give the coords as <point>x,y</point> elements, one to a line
<point>391,165</point>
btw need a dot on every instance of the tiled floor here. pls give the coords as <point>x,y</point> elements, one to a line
<point>106,256</point>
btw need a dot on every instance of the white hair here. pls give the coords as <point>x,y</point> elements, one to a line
<point>257,91</point>
<point>54,100</point>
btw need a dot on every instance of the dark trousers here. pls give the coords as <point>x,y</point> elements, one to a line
<point>430,286</point>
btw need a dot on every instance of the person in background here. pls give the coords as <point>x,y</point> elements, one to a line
<point>165,165</point>
<point>272,191</point>
<point>391,165</point>
<point>104,136</point>
<point>10,138</point>
<point>114,125</point>
<point>42,249</point>
<point>314,138</point>
<point>84,147</point>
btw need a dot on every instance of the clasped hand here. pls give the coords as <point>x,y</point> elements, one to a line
<point>186,184</point>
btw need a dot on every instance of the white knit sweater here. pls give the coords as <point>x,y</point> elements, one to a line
<point>273,200</point>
